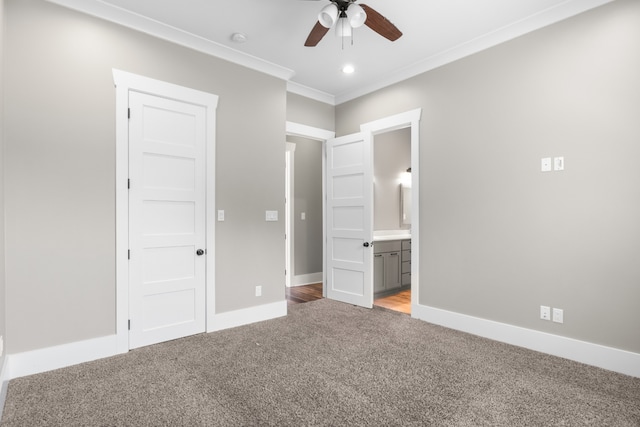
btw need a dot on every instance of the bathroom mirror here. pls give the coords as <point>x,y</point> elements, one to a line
<point>405,205</point>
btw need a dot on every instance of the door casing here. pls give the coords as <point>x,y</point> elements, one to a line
<point>407,119</point>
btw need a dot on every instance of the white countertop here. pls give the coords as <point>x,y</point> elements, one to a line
<point>387,235</point>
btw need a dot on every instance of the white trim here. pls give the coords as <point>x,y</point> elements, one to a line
<point>124,83</point>
<point>317,134</point>
<point>166,32</point>
<point>400,121</point>
<point>61,356</point>
<point>311,93</point>
<point>290,255</point>
<point>307,279</point>
<point>245,316</point>
<point>4,382</point>
<point>624,362</point>
<point>537,21</point>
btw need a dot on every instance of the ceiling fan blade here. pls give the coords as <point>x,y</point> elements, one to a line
<point>316,34</point>
<point>380,24</point>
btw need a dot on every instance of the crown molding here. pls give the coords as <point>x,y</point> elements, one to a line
<point>166,32</point>
<point>311,93</point>
<point>157,29</point>
<point>529,24</point>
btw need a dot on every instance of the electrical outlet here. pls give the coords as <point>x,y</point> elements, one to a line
<point>545,164</point>
<point>545,312</point>
<point>558,163</point>
<point>258,291</point>
<point>558,315</point>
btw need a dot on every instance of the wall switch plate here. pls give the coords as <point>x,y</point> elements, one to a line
<point>271,215</point>
<point>558,163</point>
<point>545,164</point>
<point>303,216</point>
<point>220,215</point>
<point>558,315</point>
<point>258,291</point>
<point>545,312</point>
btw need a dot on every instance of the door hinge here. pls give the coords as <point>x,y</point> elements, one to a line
<point>129,324</point>
<point>128,113</point>
<point>128,253</point>
<point>128,182</point>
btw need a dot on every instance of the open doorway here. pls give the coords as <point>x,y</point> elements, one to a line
<point>304,207</point>
<point>392,220</point>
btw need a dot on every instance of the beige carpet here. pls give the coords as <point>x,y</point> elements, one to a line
<point>327,364</point>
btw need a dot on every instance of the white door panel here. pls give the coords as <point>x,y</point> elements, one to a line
<point>349,219</point>
<point>166,219</point>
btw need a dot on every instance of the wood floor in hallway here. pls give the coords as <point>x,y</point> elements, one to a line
<point>398,302</point>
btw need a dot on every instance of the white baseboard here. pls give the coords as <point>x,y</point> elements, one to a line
<point>60,356</point>
<point>4,382</point>
<point>306,279</point>
<point>613,359</point>
<point>246,316</point>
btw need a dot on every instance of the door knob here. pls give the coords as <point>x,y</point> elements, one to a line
<point>199,252</point>
<point>365,244</point>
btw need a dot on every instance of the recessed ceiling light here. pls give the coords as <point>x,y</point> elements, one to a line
<point>239,37</point>
<point>348,69</point>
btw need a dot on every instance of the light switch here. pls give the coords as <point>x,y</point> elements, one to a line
<point>303,216</point>
<point>220,215</point>
<point>545,164</point>
<point>271,215</point>
<point>558,163</point>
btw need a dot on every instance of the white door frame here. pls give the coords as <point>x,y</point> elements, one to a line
<point>126,82</point>
<point>400,121</point>
<point>289,211</point>
<point>316,134</point>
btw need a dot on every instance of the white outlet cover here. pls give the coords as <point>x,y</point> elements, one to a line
<point>558,163</point>
<point>220,215</point>
<point>558,315</point>
<point>545,312</point>
<point>271,215</point>
<point>545,164</point>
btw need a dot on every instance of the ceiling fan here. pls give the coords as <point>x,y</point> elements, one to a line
<point>345,15</point>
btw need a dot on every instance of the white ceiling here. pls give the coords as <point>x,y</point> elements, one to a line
<point>435,32</point>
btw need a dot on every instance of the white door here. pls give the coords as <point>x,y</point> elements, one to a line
<point>166,219</point>
<point>350,219</point>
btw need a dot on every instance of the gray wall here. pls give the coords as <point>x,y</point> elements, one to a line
<point>3,301</point>
<point>308,199</point>
<point>391,158</point>
<point>310,112</point>
<point>498,238</point>
<point>60,168</point>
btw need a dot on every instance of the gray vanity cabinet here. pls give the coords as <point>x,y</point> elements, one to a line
<point>387,266</point>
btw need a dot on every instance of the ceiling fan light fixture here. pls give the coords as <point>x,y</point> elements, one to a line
<point>343,29</point>
<point>328,15</point>
<point>357,16</point>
